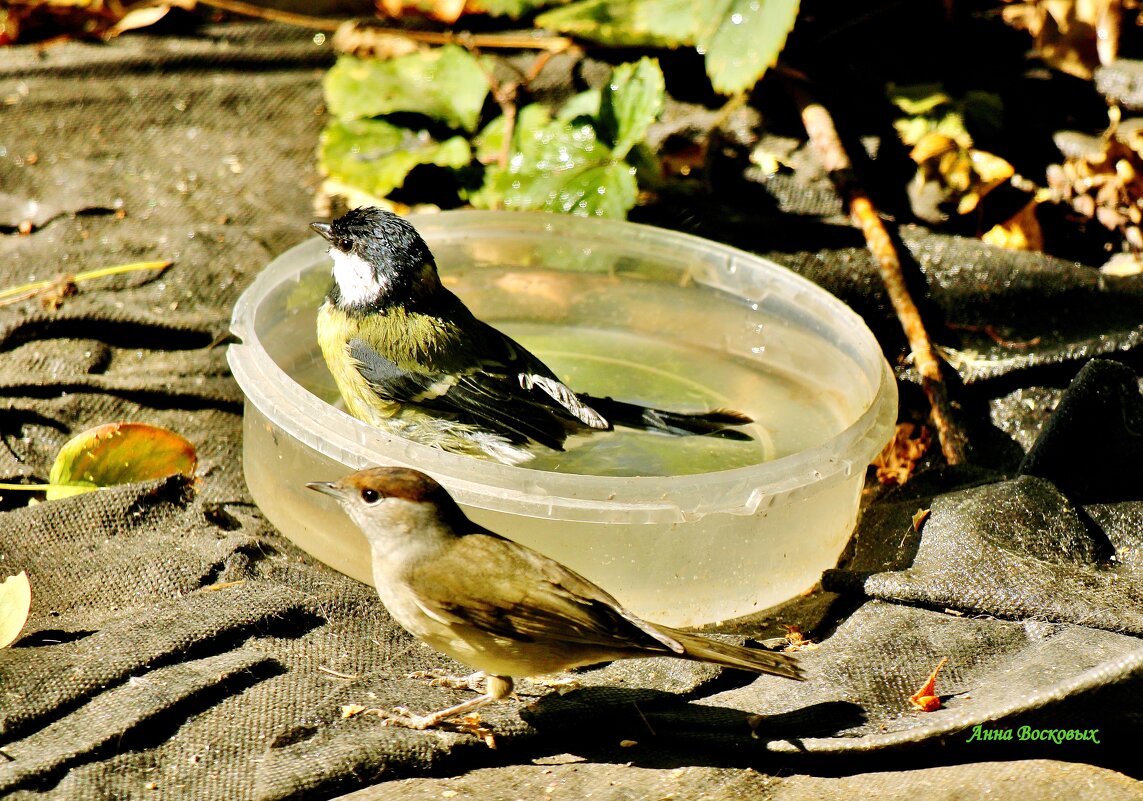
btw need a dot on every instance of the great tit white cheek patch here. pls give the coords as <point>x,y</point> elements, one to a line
<point>357,281</point>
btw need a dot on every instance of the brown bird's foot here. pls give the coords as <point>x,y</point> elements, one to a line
<point>455,718</point>
<point>442,678</point>
<point>400,716</point>
<point>404,717</point>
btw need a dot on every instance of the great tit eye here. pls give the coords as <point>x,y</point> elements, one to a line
<point>344,245</point>
<point>370,496</point>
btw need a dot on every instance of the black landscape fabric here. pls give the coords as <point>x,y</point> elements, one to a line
<point>179,647</point>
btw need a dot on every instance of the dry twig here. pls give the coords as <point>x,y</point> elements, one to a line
<point>823,135</point>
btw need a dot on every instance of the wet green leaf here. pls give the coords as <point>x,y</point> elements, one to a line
<point>740,38</point>
<point>445,83</point>
<point>746,41</point>
<point>655,23</point>
<point>118,453</point>
<point>629,104</point>
<point>560,166</point>
<point>375,157</point>
<point>15,603</point>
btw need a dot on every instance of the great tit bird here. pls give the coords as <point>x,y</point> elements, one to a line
<point>409,357</point>
<point>497,606</point>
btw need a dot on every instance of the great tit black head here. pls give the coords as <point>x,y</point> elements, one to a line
<point>379,259</point>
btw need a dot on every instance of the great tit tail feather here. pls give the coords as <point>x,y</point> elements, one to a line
<point>716,422</point>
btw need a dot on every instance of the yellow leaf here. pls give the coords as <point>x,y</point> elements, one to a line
<point>136,18</point>
<point>931,145</point>
<point>1022,232</point>
<point>15,602</point>
<point>989,172</point>
<point>118,453</point>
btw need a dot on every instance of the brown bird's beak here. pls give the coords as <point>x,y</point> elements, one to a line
<point>324,229</point>
<point>326,488</point>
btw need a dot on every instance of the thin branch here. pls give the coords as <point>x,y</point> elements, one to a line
<point>506,95</point>
<point>823,135</point>
<point>520,41</point>
<point>24,292</point>
<point>273,14</point>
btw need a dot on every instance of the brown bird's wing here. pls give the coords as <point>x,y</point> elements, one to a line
<point>482,573</point>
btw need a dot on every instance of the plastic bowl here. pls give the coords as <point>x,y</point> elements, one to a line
<point>678,549</point>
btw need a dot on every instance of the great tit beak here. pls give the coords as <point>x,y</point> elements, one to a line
<point>325,488</point>
<point>323,228</point>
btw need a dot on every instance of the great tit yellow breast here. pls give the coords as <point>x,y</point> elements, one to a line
<point>335,330</point>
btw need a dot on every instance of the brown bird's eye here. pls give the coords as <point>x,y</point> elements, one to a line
<point>344,245</point>
<point>370,495</point>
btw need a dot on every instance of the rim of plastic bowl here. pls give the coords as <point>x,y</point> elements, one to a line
<point>742,490</point>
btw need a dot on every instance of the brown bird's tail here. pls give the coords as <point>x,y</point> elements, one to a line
<point>716,422</point>
<point>704,649</point>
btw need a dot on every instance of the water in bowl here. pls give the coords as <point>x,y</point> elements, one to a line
<point>646,342</point>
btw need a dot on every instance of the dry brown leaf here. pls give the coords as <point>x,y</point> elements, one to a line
<point>364,40</point>
<point>1074,36</point>
<point>798,640</point>
<point>53,20</point>
<point>898,459</point>
<point>919,518</point>
<point>1105,183</point>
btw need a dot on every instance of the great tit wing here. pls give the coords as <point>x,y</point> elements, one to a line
<point>478,396</point>
<point>483,575</point>
<point>500,354</point>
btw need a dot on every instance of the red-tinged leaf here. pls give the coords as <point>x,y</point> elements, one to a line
<point>119,453</point>
<point>15,601</point>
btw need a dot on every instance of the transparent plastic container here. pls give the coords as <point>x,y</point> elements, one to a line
<point>678,549</point>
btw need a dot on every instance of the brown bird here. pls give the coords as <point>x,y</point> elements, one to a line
<point>498,606</point>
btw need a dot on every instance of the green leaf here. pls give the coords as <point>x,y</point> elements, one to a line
<point>746,42</point>
<point>559,166</point>
<point>653,23</point>
<point>510,8</point>
<point>118,453</point>
<point>631,101</point>
<point>15,603</point>
<point>740,38</point>
<point>376,157</point>
<point>608,190</point>
<point>918,98</point>
<point>489,143</point>
<point>585,104</point>
<point>445,83</point>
